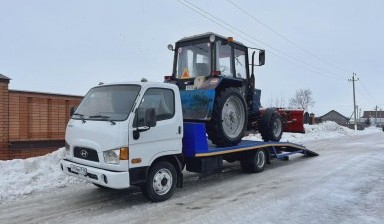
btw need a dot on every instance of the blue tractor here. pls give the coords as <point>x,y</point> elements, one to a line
<point>218,88</point>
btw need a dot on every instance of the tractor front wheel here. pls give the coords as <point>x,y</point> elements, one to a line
<point>229,118</point>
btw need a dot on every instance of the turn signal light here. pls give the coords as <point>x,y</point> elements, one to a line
<point>124,153</point>
<point>136,160</point>
<point>230,39</point>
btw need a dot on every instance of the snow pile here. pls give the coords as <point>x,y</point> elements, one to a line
<point>22,177</point>
<point>325,130</point>
<point>25,176</point>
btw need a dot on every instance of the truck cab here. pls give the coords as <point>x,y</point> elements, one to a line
<point>120,130</point>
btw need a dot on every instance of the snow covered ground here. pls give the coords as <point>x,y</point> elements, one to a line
<point>23,177</point>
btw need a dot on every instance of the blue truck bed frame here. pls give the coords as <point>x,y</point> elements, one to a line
<point>195,145</point>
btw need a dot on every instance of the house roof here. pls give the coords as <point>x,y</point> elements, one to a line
<point>4,77</point>
<point>333,111</point>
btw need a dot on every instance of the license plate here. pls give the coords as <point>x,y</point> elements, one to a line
<point>189,87</point>
<point>79,170</point>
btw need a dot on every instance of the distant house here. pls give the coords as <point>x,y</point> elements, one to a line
<point>375,117</point>
<point>336,117</point>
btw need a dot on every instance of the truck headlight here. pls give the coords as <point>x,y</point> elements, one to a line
<point>114,156</point>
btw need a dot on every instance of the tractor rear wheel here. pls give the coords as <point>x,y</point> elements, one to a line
<point>229,118</point>
<point>271,126</point>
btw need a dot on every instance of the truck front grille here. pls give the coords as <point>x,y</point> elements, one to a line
<point>86,153</point>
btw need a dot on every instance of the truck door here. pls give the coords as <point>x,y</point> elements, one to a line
<point>165,138</point>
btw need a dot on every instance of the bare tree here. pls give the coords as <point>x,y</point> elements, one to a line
<point>278,102</point>
<point>302,100</point>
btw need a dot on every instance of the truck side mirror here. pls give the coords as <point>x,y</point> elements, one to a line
<point>144,117</point>
<point>261,57</point>
<point>72,110</point>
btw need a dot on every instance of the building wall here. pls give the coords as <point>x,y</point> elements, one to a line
<point>4,154</point>
<point>32,124</point>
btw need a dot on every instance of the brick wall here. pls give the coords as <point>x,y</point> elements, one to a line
<point>4,152</point>
<point>31,123</point>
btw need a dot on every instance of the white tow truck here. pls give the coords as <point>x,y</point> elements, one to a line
<point>133,134</point>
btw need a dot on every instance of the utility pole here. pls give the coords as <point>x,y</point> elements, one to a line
<point>359,114</point>
<point>376,108</point>
<point>353,80</point>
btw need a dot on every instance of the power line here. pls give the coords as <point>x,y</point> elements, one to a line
<point>200,10</point>
<point>285,38</point>
<point>368,92</point>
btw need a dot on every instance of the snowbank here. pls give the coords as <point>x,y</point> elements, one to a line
<point>25,176</point>
<point>22,177</point>
<point>324,130</point>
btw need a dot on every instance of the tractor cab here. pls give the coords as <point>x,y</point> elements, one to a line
<point>203,57</point>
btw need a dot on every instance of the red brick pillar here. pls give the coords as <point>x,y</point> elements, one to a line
<point>4,117</point>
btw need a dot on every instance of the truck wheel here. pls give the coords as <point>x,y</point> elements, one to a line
<point>229,118</point>
<point>255,163</point>
<point>271,126</point>
<point>161,182</point>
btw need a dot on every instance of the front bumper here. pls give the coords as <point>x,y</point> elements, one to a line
<point>111,179</point>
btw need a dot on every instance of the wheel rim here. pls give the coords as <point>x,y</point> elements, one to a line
<point>162,181</point>
<point>260,159</point>
<point>233,116</point>
<point>277,126</point>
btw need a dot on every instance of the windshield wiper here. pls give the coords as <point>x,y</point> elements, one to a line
<point>81,116</point>
<point>103,117</point>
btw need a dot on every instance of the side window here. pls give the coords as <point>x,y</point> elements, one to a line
<point>162,100</point>
<point>224,58</point>
<point>240,65</point>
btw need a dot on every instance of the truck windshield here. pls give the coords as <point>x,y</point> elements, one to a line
<point>194,60</point>
<point>112,103</point>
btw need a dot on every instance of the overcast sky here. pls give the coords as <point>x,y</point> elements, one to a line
<point>69,46</point>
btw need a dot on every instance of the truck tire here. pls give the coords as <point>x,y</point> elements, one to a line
<point>271,126</point>
<point>161,182</point>
<point>229,118</point>
<point>255,162</point>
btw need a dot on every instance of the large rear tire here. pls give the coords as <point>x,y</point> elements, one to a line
<point>161,182</point>
<point>271,126</point>
<point>229,118</point>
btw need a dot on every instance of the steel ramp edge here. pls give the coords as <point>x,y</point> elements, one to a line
<point>291,149</point>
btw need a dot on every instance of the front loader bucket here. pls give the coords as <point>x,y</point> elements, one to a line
<point>197,104</point>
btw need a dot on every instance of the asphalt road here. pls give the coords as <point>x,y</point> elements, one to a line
<point>345,184</point>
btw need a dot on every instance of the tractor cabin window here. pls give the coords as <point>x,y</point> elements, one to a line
<point>194,60</point>
<point>224,59</point>
<point>240,65</point>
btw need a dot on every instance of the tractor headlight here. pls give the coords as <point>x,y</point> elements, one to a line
<point>114,156</point>
<point>212,38</point>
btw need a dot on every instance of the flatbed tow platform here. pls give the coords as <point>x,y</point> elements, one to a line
<point>196,145</point>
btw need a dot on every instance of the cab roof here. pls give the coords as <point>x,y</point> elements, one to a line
<point>207,35</point>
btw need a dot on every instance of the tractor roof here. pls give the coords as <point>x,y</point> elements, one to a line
<point>207,35</point>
